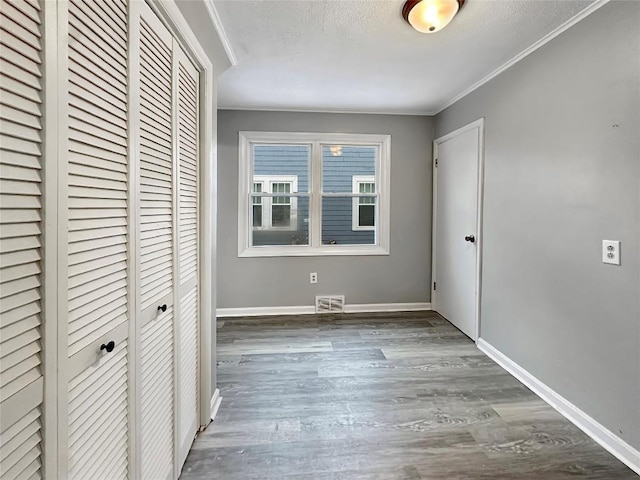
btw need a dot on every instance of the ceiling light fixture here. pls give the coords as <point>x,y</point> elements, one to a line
<point>430,16</point>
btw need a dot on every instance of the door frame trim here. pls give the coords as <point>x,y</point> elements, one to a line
<point>477,124</point>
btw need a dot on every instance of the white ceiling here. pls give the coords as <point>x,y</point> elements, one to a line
<point>361,56</point>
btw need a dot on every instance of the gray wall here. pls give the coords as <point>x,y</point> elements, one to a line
<point>402,276</point>
<point>562,174</point>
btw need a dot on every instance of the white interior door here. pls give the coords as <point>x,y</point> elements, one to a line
<point>456,226</point>
<point>94,368</point>
<point>21,212</point>
<point>100,253</point>
<point>187,94</point>
<point>156,206</point>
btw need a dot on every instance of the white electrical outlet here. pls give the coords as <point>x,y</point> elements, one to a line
<point>611,252</point>
<point>313,277</point>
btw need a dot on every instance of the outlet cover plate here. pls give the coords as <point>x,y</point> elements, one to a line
<point>611,252</point>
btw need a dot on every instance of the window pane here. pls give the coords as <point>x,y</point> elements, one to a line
<point>257,188</point>
<point>366,215</point>
<point>295,232</point>
<point>257,215</point>
<point>280,216</point>
<point>283,161</point>
<point>281,188</point>
<point>340,163</point>
<point>338,223</point>
<point>366,187</point>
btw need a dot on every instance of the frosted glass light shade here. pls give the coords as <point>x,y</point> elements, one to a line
<point>430,16</point>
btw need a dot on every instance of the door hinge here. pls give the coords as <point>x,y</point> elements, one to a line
<point>436,162</point>
<point>434,286</point>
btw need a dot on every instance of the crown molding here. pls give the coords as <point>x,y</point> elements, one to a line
<point>222,34</point>
<point>526,52</point>
<point>327,110</point>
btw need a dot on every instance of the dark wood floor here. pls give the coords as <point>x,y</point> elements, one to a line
<point>384,397</point>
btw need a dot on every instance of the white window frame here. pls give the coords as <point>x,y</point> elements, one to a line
<point>355,211</point>
<point>267,182</point>
<point>315,141</point>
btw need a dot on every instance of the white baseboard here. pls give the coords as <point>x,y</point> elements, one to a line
<point>602,435</point>
<point>257,311</point>
<point>216,399</point>
<point>311,309</point>
<point>386,307</point>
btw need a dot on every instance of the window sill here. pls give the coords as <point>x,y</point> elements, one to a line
<point>307,251</point>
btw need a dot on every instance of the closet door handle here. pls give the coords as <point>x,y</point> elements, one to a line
<point>163,307</point>
<point>108,346</point>
<point>470,238</point>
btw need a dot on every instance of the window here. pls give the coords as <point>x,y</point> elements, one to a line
<point>313,194</point>
<point>274,212</point>
<point>257,205</point>
<point>364,206</point>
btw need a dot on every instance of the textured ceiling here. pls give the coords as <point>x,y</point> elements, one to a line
<point>360,56</point>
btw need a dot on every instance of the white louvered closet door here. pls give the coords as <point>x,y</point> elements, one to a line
<point>21,378</point>
<point>187,89</point>
<point>97,163</point>
<point>156,249</point>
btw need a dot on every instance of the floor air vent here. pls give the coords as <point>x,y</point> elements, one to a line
<point>329,304</point>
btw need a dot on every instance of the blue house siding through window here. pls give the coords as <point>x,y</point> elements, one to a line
<point>338,172</point>
<point>337,177</point>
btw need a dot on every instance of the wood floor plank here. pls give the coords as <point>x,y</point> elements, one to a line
<point>387,396</point>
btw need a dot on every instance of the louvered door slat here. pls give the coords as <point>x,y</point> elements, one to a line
<point>188,149</point>
<point>157,375</point>
<point>21,447</point>
<point>32,11</point>
<point>158,44</point>
<point>108,54</point>
<point>108,419</point>
<point>8,113</point>
<point>75,203</point>
<point>108,28</point>
<point>116,21</point>
<point>85,100</point>
<point>25,102</point>
<point>155,75</point>
<point>98,236</point>
<point>20,68</point>
<point>80,116</point>
<point>154,118</point>
<point>96,70</point>
<point>83,80</point>
<point>12,11</point>
<point>156,160</point>
<point>189,363</point>
<point>27,33</point>
<point>21,139</point>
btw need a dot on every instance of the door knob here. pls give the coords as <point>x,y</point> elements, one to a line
<point>163,307</point>
<point>108,346</point>
<point>470,238</point>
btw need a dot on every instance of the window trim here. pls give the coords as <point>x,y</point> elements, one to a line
<point>315,141</point>
<point>356,180</point>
